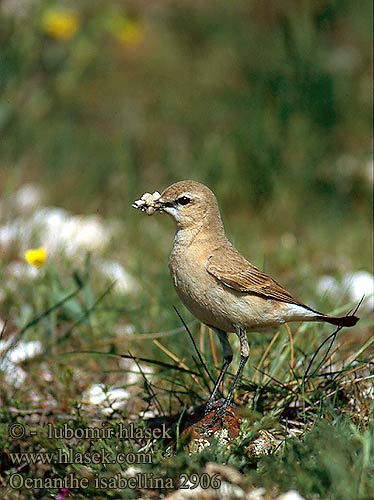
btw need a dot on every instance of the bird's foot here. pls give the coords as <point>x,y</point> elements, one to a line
<point>210,406</point>
<point>219,418</point>
<point>220,408</point>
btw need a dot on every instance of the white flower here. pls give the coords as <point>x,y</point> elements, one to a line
<point>24,350</point>
<point>115,396</point>
<point>136,371</point>
<point>53,228</point>
<point>124,282</point>
<point>48,223</point>
<point>357,284</point>
<point>58,230</point>
<point>84,233</point>
<point>12,355</point>
<point>8,235</point>
<point>327,285</point>
<point>22,271</point>
<point>95,394</point>
<point>28,197</point>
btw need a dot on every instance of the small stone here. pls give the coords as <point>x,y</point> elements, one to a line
<point>264,444</point>
<point>291,495</point>
<point>227,473</point>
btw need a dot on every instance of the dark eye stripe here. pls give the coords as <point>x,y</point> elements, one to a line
<point>183,200</point>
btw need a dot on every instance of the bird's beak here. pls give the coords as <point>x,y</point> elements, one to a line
<point>159,203</point>
<point>163,205</point>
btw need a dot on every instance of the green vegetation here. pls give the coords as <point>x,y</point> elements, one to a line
<point>269,103</point>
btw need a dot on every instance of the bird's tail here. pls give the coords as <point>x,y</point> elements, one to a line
<point>349,320</point>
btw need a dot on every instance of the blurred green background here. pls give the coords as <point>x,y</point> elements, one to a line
<point>269,103</point>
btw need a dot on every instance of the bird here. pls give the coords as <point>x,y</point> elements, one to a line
<point>217,284</point>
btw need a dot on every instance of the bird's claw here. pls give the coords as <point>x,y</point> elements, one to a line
<point>220,414</point>
<point>209,408</point>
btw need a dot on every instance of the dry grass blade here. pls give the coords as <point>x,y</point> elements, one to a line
<point>202,362</point>
<point>180,363</point>
<point>264,356</point>
<point>148,386</point>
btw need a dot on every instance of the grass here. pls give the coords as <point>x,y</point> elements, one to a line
<point>301,388</point>
<point>272,109</point>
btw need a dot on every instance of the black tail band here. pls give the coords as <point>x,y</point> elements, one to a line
<point>340,321</point>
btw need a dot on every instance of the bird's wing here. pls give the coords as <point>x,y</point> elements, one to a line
<point>233,270</point>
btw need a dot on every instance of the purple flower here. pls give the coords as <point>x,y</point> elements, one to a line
<point>64,493</point>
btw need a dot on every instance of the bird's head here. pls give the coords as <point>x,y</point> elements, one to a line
<point>190,204</point>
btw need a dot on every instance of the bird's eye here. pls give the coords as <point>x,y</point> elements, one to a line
<point>183,200</point>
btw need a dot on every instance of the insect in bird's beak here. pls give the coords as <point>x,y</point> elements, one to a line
<point>148,203</point>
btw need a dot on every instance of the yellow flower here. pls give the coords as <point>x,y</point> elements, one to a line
<point>130,33</point>
<point>36,256</point>
<point>60,23</point>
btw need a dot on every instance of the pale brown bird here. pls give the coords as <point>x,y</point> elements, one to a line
<point>216,283</point>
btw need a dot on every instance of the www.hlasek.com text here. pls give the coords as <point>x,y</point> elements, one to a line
<point>72,456</point>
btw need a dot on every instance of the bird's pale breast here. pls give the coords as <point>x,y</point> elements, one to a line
<point>214,303</point>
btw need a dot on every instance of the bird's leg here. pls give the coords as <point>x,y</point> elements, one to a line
<point>227,358</point>
<point>244,354</point>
